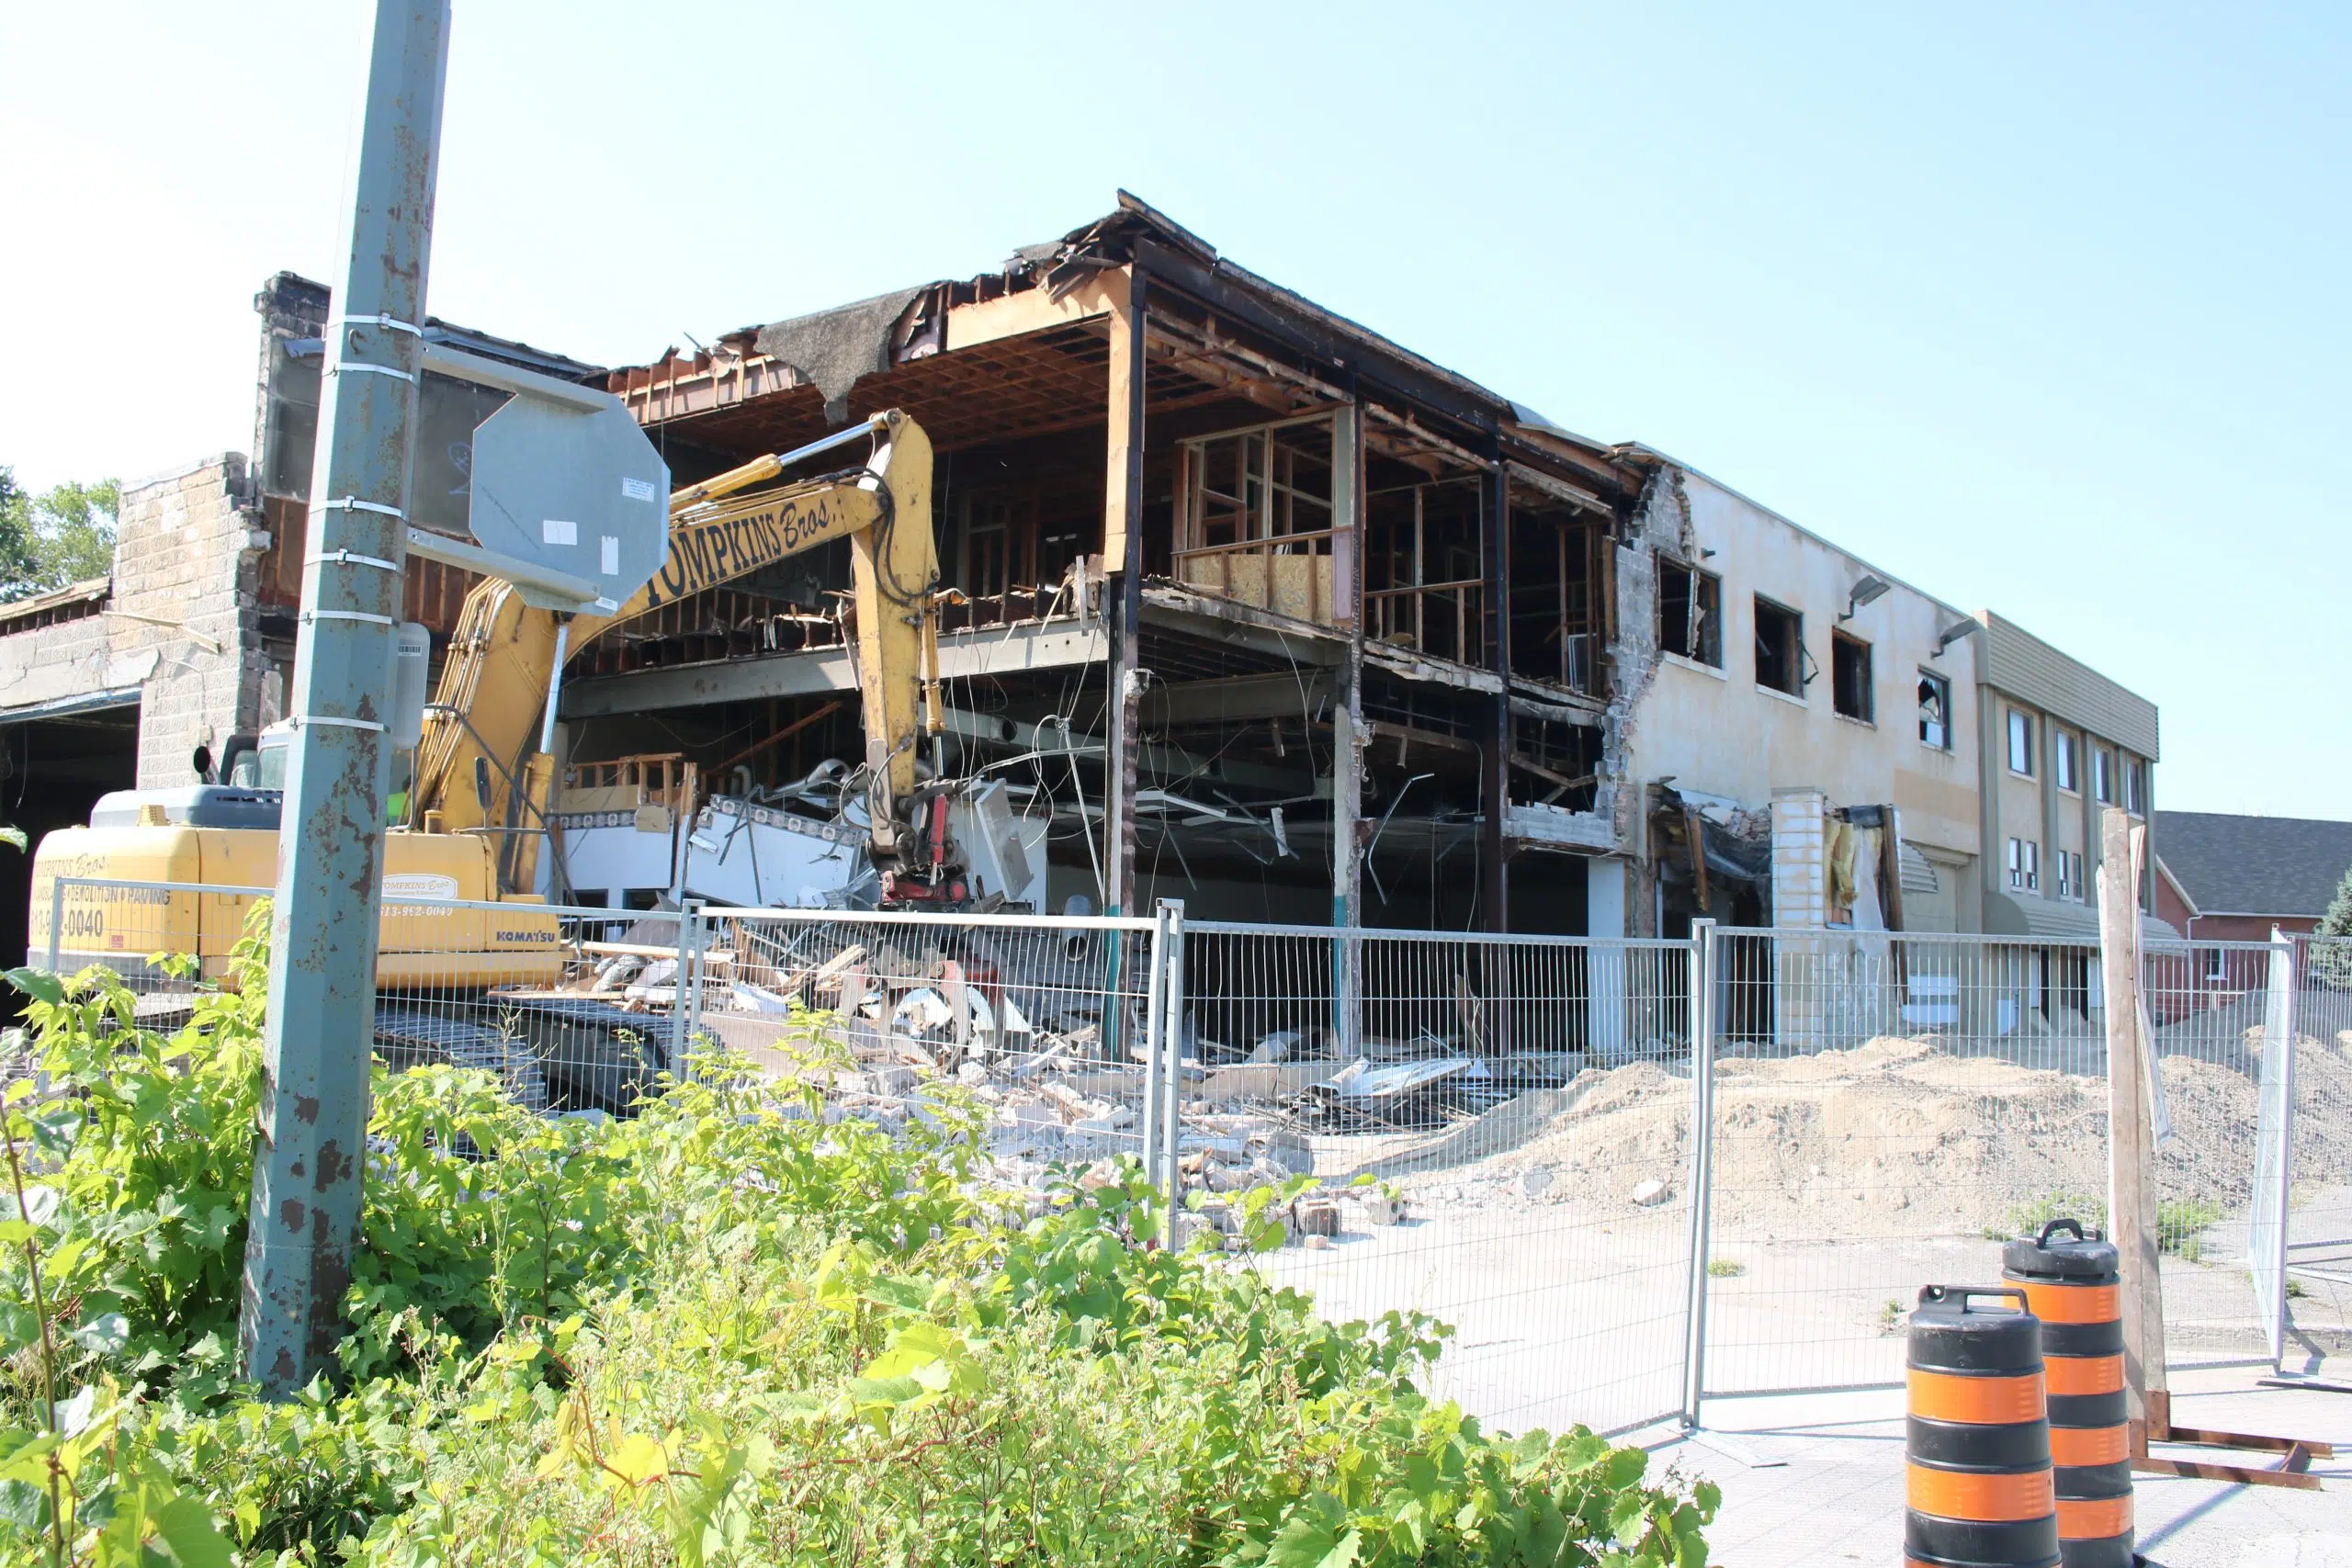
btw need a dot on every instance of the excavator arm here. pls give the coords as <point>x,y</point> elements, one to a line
<point>479,766</point>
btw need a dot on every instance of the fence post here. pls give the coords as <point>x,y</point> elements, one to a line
<point>1172,1076</point>
<point>56,918</point>
<point>689,985</point>
<point>1154,1072</point>
<point>2131,1214</point>
<point>2266,1250</point>
<point>1704,938</point>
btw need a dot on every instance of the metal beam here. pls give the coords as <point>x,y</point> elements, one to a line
<point>1241,625</point>
<point>819,672</point>
<point>321,1019</point>
<point>1237,699</point>
<point>1494,839</point>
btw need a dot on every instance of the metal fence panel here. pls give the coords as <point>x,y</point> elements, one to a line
<point>2318,1227</point>
<point>2213,1009</point>
<point>1505,1123</point>
<point>1886,1106</point>
<point>1514,1134</point>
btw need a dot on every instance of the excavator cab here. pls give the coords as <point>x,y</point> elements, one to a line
<point>249,762</point>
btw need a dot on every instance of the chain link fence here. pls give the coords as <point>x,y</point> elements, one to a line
<point>1633,1175</point>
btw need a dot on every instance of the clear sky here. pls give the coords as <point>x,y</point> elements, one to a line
<point>2041,308</point>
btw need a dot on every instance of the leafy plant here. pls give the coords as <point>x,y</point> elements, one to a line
<point>2181,1223</point>
<point>1726,1267</point>
<point>2027,1219</point>
<point>731,1328</point>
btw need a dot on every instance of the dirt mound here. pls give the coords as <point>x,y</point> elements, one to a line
<point>1898,1138</point>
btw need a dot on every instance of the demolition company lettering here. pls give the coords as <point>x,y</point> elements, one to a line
<point>704,555</point>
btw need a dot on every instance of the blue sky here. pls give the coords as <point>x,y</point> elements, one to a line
<point>2039,308</point>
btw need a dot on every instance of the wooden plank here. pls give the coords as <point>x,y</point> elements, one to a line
<point>1035,309</point>
<point>795,728</point>
<point>2237,1474</point>
<point>1695,829</point>
<point>2132,1155</point>
<point>1122,479</point>
<point>2309,1447</point>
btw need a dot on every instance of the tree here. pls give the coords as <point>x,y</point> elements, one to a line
<point>2331,962</point>
<point>48,541</point>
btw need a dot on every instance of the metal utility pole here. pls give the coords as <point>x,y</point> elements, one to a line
<point>306,1167</point>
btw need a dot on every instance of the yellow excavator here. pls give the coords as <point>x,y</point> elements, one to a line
<point>477,795</point>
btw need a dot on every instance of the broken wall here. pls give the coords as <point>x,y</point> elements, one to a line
<point>185,553</point>
<point>1711,726</point>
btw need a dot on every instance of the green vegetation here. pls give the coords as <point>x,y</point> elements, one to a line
<point>1890,1314</point>
<point>2027,1218</point>
<point>723,1331</point>
<point>1726,1267</point>
<point>63,537</point>
<point>2181,1222</point>
<point>2331,962</point>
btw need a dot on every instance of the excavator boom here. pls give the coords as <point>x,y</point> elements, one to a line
<point>483,723</point>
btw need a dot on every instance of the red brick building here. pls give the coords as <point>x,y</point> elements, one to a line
<point>2225,879</point>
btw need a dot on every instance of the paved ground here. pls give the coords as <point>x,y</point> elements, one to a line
<point>1837,1497</point>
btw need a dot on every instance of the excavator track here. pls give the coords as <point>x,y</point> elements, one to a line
<point>463,1037</point>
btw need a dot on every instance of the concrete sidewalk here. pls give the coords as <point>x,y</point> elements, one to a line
<point>1837,1494</point>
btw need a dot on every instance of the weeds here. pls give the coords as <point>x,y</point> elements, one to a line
<point>1726,1267</point>
<point>725,1330</point>
<point>2181,1222</point>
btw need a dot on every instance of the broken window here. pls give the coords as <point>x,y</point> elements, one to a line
<point>1935,711</point>
<point>1255,516</point>
<point>1851,690</point>
<point>2025,865</point>
<point>1780,647</point>
<point>1689,612</point>
<point>2020,743</point>
<point>2062,761</point>
<point>1559,566</point>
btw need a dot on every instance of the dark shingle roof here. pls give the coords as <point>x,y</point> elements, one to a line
<point>2255,865</point>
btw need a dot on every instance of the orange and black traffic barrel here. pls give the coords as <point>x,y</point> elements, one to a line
<point>2071,1283</point>
<point>1978,1476</point>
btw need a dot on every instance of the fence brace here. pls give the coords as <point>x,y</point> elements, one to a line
<point>1703,1163</point>
<point>1173,1074</point>
<point>2266,1247</point>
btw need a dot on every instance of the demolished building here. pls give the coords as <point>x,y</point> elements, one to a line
<point>1248,605</point>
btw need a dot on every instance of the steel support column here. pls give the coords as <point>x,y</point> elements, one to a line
<point>1494,853</point>
<point>307,1167</point>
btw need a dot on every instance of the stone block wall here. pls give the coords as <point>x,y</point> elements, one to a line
<point>185,553</point>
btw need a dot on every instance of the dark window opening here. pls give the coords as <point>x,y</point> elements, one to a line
<point>1689,612</point>
<point>1849,678</point>
<point>1935,711</point>
<point>1780,647</point>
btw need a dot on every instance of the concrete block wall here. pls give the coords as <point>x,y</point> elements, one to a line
<point>59,663</point>
<point>185,553</point>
